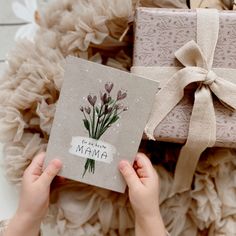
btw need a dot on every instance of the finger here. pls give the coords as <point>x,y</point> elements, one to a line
<point>145,168</point>
<point>129,174</point>
<point>50,172</point>
<point>35,168</point>
<point>141,173</point>
<point>135,165</point>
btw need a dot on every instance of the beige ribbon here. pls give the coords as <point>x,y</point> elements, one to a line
<point>197,59</point>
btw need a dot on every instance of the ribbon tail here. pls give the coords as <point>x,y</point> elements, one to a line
<point>170,95</point>
<point>225,91</point>
<point>162,108</point>
<point>202,134</point>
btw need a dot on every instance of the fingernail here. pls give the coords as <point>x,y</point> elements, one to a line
<point>57,163</point>
<point>122,165</point>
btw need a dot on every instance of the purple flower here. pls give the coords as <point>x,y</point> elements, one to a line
<point>82,109</point>
<point>101,96</point>
<point>107,109</point>
<point>87,109</point>
<point>108,98</point>
<point>108,87</point>
<point>105,98</point>
<point>118,106</point>
<point>121,95</point>
<point>92,100</point>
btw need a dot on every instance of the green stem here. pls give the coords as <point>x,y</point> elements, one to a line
<point>89,165</point>
<point>100,127</point>
<point>106,122</point>
<point>98,120</point>
<point>97,131</point>
<point>105,119</point>
<point>88,121</point>
<point>102,131</point>
<point>93,122</point>
<point>119,113</point>
<point>91,132</point>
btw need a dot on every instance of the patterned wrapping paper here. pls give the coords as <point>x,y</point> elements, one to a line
<point>161,32</point>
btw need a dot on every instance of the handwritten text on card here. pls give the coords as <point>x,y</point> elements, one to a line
<point>93,149</point>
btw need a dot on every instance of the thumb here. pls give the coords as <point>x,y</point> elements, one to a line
<point>50,172</point>
<point>129,174</point>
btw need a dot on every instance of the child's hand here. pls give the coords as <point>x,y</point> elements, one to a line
<point>34,197</point>
<point>143,184</point>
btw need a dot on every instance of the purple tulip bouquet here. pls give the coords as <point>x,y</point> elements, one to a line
<point>99,116</point>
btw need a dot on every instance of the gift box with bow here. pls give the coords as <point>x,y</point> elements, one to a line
<point>193,55</point>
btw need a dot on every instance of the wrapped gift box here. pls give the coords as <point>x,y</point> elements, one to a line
<point>159,33</point>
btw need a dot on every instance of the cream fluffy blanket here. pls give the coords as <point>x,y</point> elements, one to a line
<point>101,31</point>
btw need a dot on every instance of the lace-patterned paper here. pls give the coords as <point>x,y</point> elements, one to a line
<point>158,34</point>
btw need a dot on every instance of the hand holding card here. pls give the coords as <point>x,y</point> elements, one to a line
<point>100,118</point>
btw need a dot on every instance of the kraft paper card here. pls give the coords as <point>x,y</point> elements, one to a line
<point>100,118</point>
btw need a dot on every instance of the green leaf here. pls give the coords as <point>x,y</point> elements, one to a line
<point>97,110</point>
<point>111,101</point>
<point>85,167</point>
<point>107,125</point>
<point>103,131</point>
<point>113,119</point>
<point>93,123</point>
<point>86,124</point>
<point>107,118</point>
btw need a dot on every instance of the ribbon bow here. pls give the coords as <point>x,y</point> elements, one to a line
<point>202,127</point>
<point>197,59</point>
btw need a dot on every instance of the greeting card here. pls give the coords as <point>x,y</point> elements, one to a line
<point>100,117</point>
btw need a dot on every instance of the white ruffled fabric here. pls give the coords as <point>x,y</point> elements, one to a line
<point>12,124</point>
<point>81,209</point>
<point>206,206</point>
<point>18,155</point>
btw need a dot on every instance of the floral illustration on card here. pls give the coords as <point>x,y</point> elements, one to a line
<point>100,113</point>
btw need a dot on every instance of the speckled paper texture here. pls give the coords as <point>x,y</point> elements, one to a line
<point>73,141</point>
<point>161,32</point>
